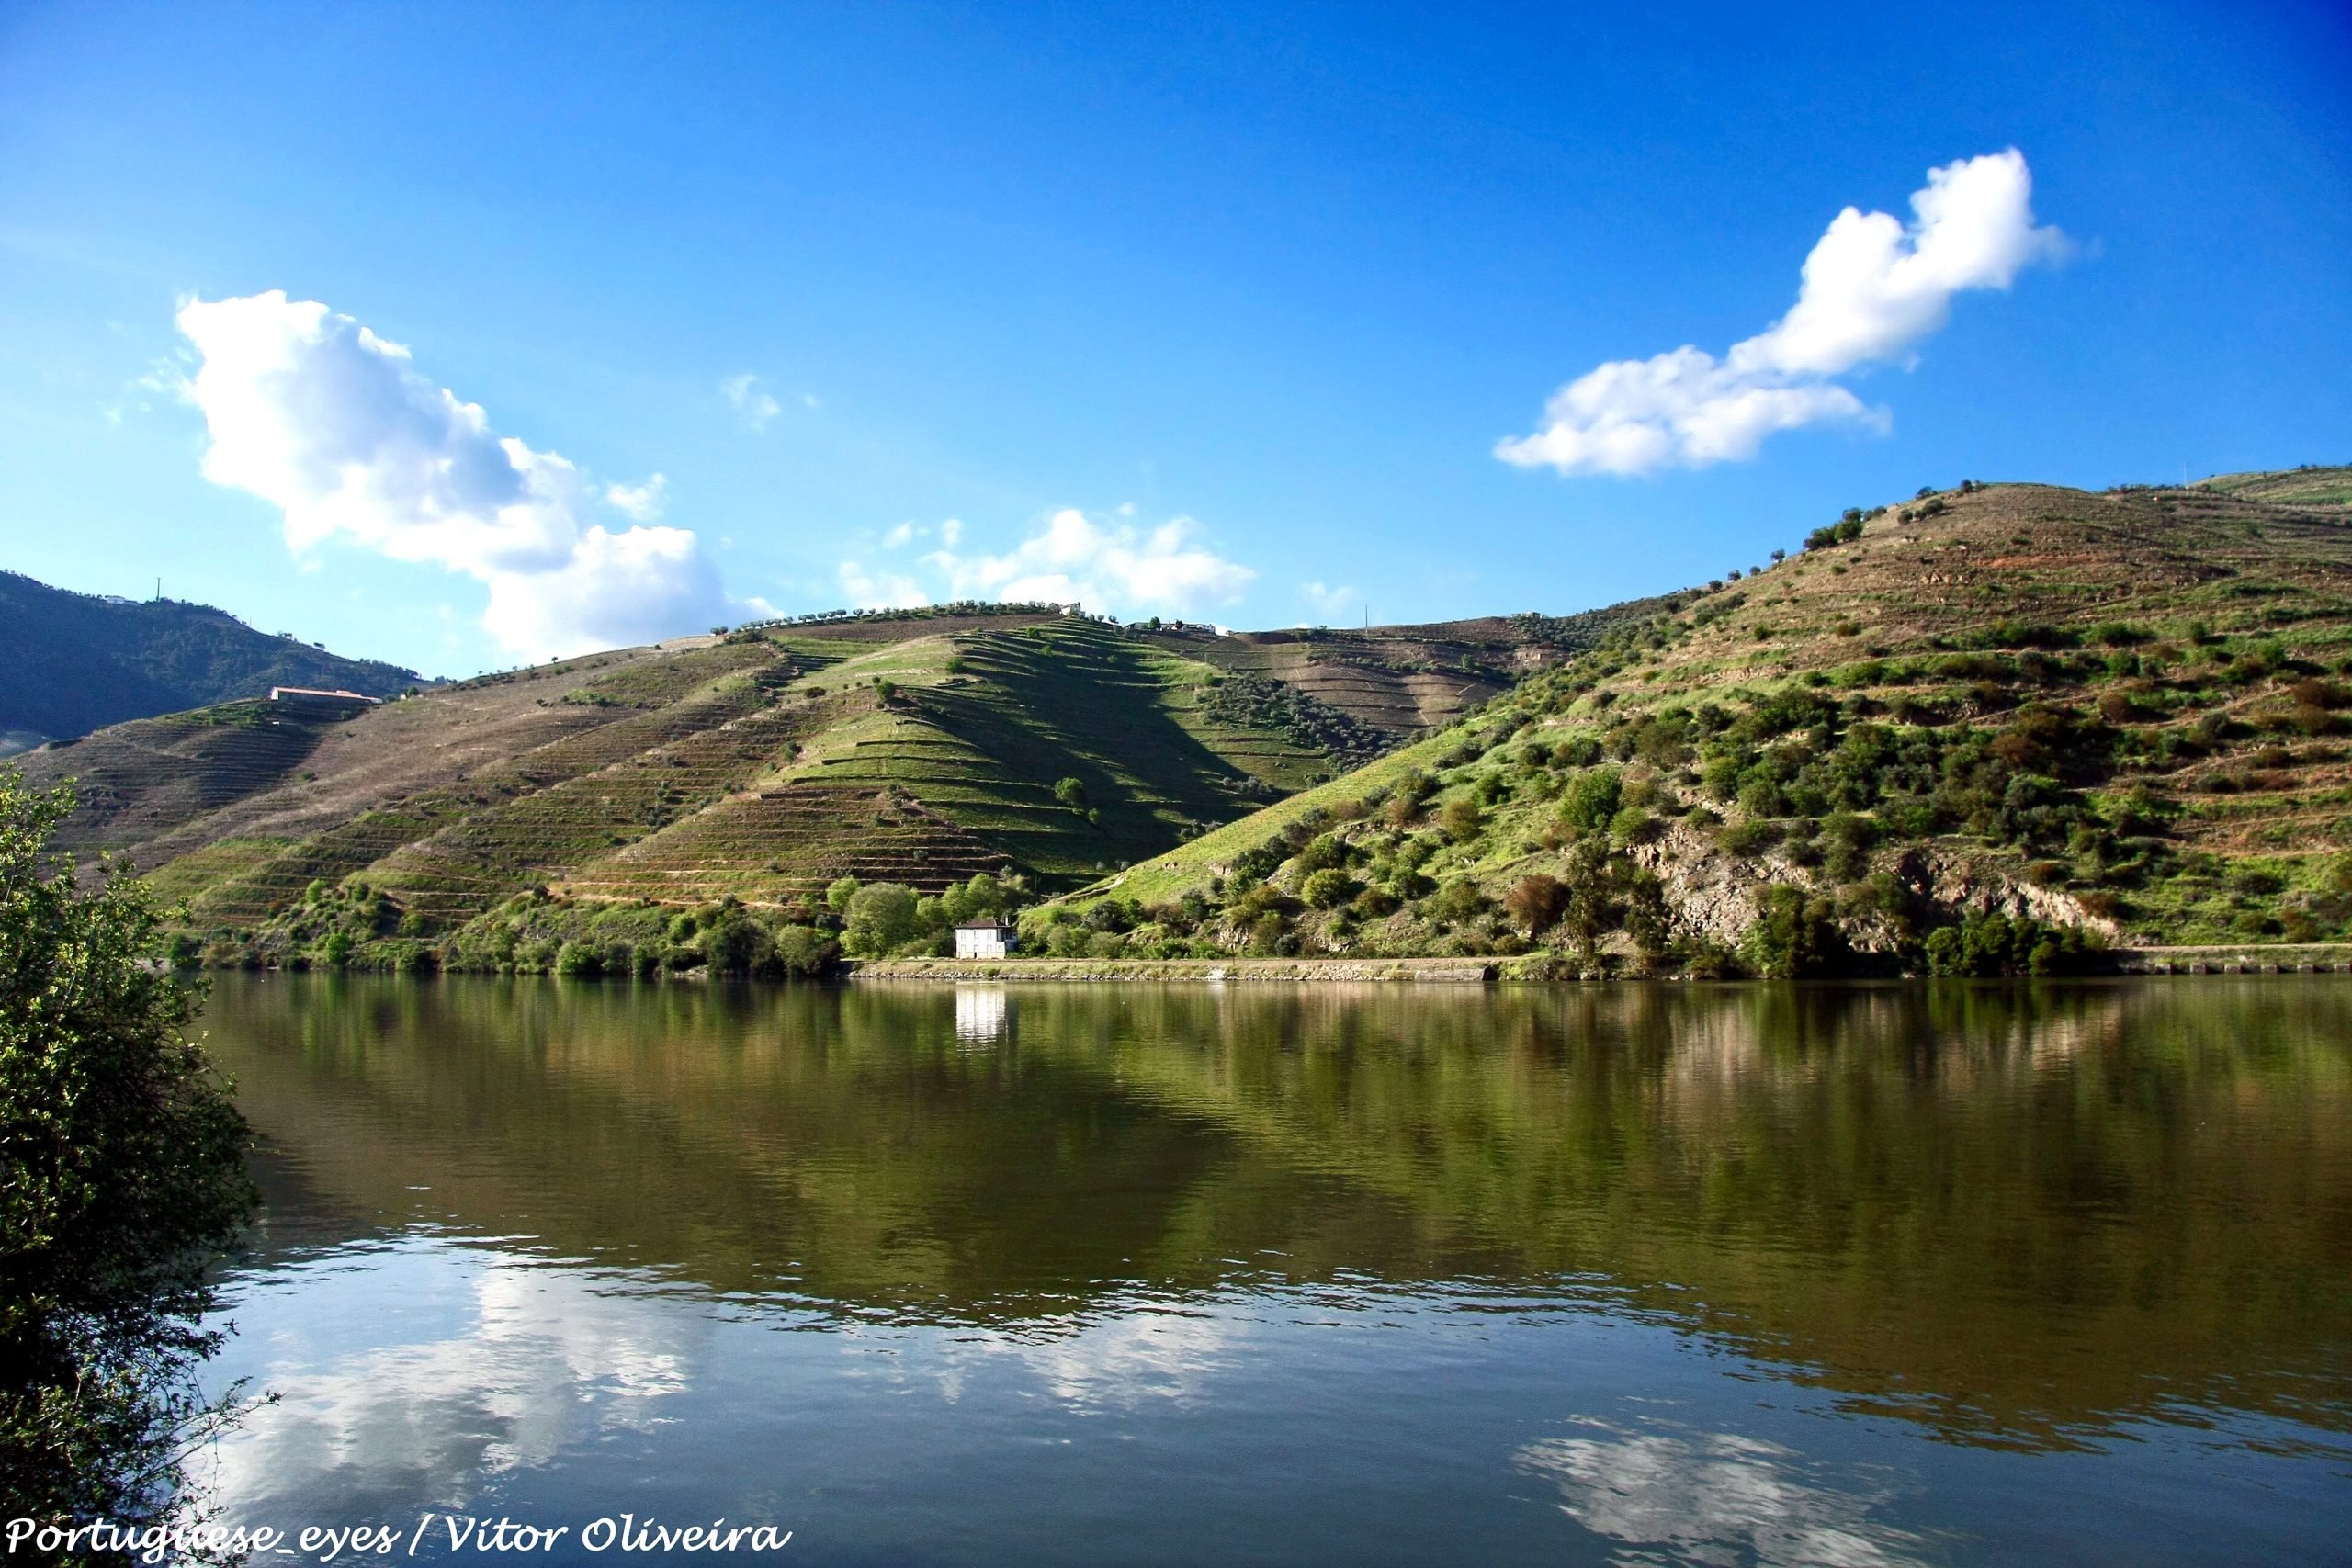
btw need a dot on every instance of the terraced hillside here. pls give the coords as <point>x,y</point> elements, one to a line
<point>1404,680</point>
<point>2103,717</point>
<point>912,746</point>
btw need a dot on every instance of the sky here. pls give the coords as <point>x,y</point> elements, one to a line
<point>471,335</point>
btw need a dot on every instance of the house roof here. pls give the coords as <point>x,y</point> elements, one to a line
<point>984,925</point>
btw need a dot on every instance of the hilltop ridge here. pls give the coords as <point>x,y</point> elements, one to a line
<point>72,662</point>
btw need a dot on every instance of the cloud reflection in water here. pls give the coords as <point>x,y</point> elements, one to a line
<point>1714,1498</point>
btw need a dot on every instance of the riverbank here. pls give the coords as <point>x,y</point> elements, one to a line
<point>1456,971</point>
<point>2253,959</point>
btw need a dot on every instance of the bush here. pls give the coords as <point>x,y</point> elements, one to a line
<point>1632,825</point>
<point>1322,854</point>
<point>1459,899</point>
<point>578,959</point>
<point>1536,902</point>
<point>1985,946</point>
<point>1328,888</point>
<point>1795,936</point>
<point>1071,792</point>
<point>1592,799</point>
<point>124,1164</point>
<point>1462,819</point>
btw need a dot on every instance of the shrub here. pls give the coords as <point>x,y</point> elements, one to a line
<point>123,1160</point>
<point>1323,853</point>
<point>1592,799</point>
<point>1536,902</point>
<point>1632,825</point>
<point>580,960</point>
<point>1998,944</point>
<point>1267,935</point>
<point>737,945</point>
<point>1071,792</point>
<point>1462,819</point>
<point>1795,936</point>
<point>1328,888</point>
<point>1459,899</point>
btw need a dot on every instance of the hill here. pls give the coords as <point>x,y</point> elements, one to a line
<point>71,663</point>
<point>1985,729</point>
<point>755,770</point>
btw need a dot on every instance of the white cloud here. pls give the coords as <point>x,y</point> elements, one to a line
<point>643,502</point>
<point>315,414</point>
<point>880,591</point>
<point>756,406</point>
<point>903,534</point>
<point>1108,566</point>
<point>1872,287</point>
<point>951,532</point>
<point>1329,601</point>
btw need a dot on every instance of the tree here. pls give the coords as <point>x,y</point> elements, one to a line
<point>1649,921</point>
<point>1071,792</point>
<point>1590,909</point>
<point>1795,936</point>
<point>121,1179</point>
<point>838,896</point>
<point>1592,800</point>
<point>736,944</point>
<point>880,917</point>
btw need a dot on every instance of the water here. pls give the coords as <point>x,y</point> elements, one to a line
<point>1292,1275</point>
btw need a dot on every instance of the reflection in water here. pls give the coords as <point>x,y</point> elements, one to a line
<point>1717,1498</point>
<point>1304,1245</point>
<point>979,1014</point>
<point>521,1363</point>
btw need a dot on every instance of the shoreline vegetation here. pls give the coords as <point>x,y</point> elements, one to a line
<point>122,1159</point>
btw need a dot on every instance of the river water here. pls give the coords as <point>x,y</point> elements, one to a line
<point>1201,1274</point>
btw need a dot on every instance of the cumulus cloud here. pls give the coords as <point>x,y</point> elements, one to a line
<point>643,502</point>
<point>1872,287</point>
<point>880,589</point>
<point>1108,564</point>
<point>310,410</point>
<point>755,405</point>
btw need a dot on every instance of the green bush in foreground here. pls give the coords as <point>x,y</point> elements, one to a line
<point>121,1178</point>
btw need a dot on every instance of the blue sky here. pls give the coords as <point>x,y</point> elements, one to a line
<point>1218,311</point>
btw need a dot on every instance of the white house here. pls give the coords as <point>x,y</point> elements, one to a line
<point>985,939</point>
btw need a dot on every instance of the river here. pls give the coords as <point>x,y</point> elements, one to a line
<point>1299,1274</point>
